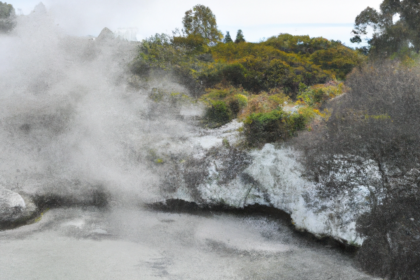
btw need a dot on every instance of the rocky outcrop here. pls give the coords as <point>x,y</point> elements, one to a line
<point>15,209</point>
<point>20,209</point>
<point>11,205</point>
<point>220,175</point>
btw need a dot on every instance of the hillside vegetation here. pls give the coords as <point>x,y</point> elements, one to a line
<point>282,62</point>
<point>276,87</point>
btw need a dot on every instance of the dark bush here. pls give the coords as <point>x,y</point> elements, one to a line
<point>376,126</point>
<point>263,128</point>
<point>393,245</point>
<point>218,114</point>
<point>234,74</point>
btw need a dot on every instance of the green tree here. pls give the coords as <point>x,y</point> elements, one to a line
<point>228,39</point>
<point>7,17</point>
<point>201,21</point>
<point>239,37</point>
<point>390,36</point>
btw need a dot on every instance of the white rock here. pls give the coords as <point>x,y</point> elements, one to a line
<point>11,205</point>
<point>275,179</point>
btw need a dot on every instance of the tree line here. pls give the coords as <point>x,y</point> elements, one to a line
<point>7,17</point>
<point>396,29</point>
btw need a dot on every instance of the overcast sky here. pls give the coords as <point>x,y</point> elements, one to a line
<point>258,19</point>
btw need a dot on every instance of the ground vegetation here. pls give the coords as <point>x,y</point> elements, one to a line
<point>370,142</point>
<point>250,81</point>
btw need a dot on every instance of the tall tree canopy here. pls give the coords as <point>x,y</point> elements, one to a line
<point>7,16</point>
<point>390,34</point>
<point>227,38</point>
<point>239,37</point>
<point>201,21</point>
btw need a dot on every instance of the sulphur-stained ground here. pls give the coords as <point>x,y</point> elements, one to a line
<point>141,244</point>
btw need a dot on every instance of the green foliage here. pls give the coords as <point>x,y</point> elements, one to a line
<point>264,68</point>
<point>339,60</point>
<point>330,56</point>
<point>200,21</point>
<point>260,128</point>
<point>228,102</point>
<point>158,52</point>
<point>227,38</point>
<point>303,45</point>
<point>316,95</point>
<point>233,73</point>
<point>242,100</point>
<point>7,15</point>
<point>6,10</point>
<point>264,102</point>
<point>217,114</point>
<point>239,37</point>
<point>193,44</point>
<point>282,62</point>
<point>390,37</point>
<point>263,115</point>
<point>166,55</point>
<point>266,119</point>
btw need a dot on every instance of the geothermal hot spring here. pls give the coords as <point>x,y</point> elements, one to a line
<point>79,135</point>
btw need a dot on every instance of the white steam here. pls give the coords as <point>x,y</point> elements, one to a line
<point>69,120</point>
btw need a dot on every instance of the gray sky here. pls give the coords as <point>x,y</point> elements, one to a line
<point>331,19</point>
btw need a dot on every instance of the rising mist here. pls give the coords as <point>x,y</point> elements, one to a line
<point>71,123</point>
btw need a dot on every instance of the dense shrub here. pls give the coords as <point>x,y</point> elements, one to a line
<point>276,125</point>
<point>263,68</point>
<point>264,127</point>
<point>281,62</point>
<point>318,94</point>
<point>193,44</point>
<point>328,55</point>
<point>265,120</point>
<point>339,60</point>
<point>300,44</point>
<point>268,116</point>
<point>233,74</point>
<point>375,128</point>
<point>217,114</point>
<point>265,102</point>
<point>228,102</point>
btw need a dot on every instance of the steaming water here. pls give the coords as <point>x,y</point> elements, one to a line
<point>137,244</point>
<point>69,124</point>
